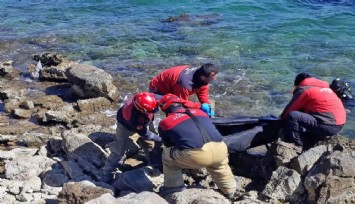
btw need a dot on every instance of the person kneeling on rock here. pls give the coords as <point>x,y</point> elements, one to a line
<point>315,113</point>
<point>134,117</point>
<point>192,142</point>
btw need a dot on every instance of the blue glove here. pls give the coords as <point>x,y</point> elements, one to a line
<point>205,107</point>
<point>154,137</point>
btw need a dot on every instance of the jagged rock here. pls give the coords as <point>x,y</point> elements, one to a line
<point>50,58</point>
<point>16,152</point>
<point>21,113</point>
<point>54,73</point>
<point>54,178</point>
<point>80,192</point>
<point>93,105</point>
<point>35,139</point>
<point>91,82</point>
<point>12,93</point>
<point>198,196</point>
<point>11,105</point>
<point>27,104</point>
<point>303,163</point>
<point>139,180</point>
<point>18,127</point>
<point>7,70</point>
<point>79,145</point>
<point>72,168</point>
<point>332,180</point>
<point>285,185</point>
<point>132,198</point>
<point>26,167</point>
<point>48,101</point>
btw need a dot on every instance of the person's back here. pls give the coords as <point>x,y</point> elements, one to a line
<point>184,81</point>
<point>314,113</point>
<point>191,141</point>
<point>314,96</point>
<point>181,131</point>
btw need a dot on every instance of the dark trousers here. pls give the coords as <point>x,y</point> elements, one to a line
<point>304,130</point>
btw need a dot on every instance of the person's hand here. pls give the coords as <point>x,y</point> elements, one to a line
<point>205,107</point>
<point>154,137</point>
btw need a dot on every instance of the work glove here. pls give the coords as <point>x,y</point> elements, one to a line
<point>154,137</point>
<point>205,107</point>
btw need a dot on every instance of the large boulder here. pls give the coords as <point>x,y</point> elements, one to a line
<point>333,179</point>
<point>91,82</point>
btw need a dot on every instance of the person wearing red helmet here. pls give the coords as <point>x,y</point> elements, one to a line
<point>191,141</point>
<point>134,116</point>
<point>184,81</point>
<point>314,113</point>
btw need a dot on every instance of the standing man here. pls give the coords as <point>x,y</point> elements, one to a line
<point>133,117</point>
<point>184,81</point>
<point>314,113</point>
<point>192,142</point>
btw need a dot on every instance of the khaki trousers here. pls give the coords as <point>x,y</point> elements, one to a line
<point>127,142</point>
<point>213,156</point>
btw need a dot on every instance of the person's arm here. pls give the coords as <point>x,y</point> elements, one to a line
<point>298,101</point>
<point>203,94</point>
<point>164,137</point>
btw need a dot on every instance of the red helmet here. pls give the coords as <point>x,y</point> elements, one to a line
<point>145,102</point>
<point>167,100</point>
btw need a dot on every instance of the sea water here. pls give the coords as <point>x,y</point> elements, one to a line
<point>260,46</point>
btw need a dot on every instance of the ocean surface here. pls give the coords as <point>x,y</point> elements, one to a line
<point>260,46</point>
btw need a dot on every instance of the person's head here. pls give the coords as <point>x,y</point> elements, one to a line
<point>300,77</point>
<point>170,102</point>
<point>145,102</point>
<point>206,73</point>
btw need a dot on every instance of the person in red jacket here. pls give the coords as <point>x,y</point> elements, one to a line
<point>133,117</point>
<point>184,81</point>
<point>191,141</point>
<point>314,113</point>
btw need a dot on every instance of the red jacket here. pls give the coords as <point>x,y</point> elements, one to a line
<point>134,120</point>
<point>314,96</point>
<point>178,80</point>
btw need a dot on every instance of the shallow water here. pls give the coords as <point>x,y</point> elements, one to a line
<point>259,45</point>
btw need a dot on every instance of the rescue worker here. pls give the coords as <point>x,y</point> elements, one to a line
<point>184,81</point>
<point>133,117</point>
<point>314,113</point>
<point>192,142</point>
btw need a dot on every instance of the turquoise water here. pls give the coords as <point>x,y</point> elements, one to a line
<point>259,45</point>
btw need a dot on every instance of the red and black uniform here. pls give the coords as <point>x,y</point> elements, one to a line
<point>180,81</point>
<point>134,120</point>
<point>179,130</point>
<point>314,109</point>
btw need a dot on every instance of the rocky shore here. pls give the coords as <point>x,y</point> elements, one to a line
<point>57,125</point>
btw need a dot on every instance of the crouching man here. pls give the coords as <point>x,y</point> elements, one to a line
<point>192,142</point>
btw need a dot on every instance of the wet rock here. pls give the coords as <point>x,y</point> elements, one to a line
<point>54,73</point>
<point>49,58</point>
